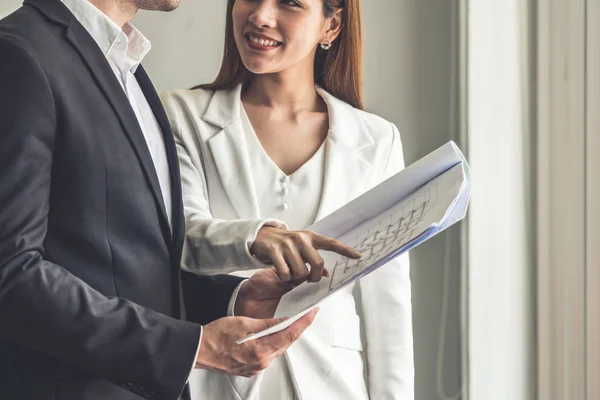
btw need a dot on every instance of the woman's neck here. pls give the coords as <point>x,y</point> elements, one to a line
<point>285,92</point>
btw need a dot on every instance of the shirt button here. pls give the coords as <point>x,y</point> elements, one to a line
<point>285,179</point>
<point>284,207</point>
<point>285,191</point>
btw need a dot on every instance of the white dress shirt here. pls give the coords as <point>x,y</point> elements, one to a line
<point>124,50</point>
<point>293,199</point>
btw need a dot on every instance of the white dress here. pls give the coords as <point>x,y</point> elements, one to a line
<point>295,200</point>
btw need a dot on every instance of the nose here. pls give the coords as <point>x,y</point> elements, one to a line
<point>265,15</point>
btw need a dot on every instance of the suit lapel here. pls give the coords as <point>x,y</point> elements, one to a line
<point>107,82</point>
<point>230,153</point>
<point>344,178</point>
<point>345,167</point>
<point>158,110</point>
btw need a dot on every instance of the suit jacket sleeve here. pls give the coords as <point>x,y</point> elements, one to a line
<point>387,316</point>
<point>212,245</point>
<point>42,305</point>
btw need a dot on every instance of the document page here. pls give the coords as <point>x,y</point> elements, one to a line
<point>386,233</point>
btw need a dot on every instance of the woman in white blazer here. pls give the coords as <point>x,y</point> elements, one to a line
<point>277,142</point>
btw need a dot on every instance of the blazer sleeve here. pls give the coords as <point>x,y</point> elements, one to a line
<point>43,306</point>
<point>387,315</point>
<point>212,245</point>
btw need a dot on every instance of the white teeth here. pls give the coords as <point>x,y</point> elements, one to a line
<point>263,42</point>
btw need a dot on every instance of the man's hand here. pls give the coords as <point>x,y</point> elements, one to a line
<point>259,296</point>
<point>219,351</point>
<point>290,251</point>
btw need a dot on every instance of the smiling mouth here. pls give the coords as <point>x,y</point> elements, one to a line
<point>262,43</point>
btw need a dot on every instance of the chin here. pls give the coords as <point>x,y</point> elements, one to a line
<point>257,68</point>
<point>258,71</point>
<point>262,71</point>
<point>261,66</point>
<point>157,5</point>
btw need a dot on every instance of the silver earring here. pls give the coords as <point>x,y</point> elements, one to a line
<point>326,44</point>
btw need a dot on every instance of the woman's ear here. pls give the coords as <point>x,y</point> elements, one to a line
<point>333,25</point>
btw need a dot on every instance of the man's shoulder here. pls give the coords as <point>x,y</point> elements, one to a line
<point>29,29</point>
<point>23,21</point>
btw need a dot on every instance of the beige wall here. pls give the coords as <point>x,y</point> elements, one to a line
<point>7,6</point>
<point>408,58</point>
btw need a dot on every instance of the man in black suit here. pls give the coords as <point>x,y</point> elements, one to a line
<point>91,222</point>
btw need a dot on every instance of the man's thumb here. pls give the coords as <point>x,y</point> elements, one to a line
<point>272,322</point>
<point>259,325</point>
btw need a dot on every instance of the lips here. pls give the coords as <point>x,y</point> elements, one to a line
<point>262,41</point>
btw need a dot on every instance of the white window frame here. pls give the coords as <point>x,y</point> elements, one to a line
<point>593,199</point>
<point>568,199</point>
<point>500,328</point>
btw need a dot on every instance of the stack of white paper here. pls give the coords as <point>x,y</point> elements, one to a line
<point>390,219</point>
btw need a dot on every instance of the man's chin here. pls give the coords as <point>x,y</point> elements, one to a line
<point>157,5</point>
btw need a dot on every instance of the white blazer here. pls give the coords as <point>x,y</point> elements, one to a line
<point>222,219</point>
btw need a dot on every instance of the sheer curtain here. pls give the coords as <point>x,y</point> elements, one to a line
<point>533,84</point>
<point>501,294</point>
<point>568,199</point>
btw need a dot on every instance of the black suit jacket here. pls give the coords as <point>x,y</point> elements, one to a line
<point>89,268</point>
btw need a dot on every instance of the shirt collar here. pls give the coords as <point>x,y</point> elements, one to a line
<point>126,47</point>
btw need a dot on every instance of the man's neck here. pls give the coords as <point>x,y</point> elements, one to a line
<point>119,11</point>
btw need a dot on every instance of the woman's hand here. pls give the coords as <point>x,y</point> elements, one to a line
<point>290,251</point>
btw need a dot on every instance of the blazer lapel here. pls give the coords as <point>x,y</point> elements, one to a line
<point>177,218</point>
<point>230,153</point>
<point>345,168</point>
<point>344,179</point>
<point>107,82</point>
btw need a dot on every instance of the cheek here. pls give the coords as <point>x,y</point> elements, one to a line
<point>239,16</point>
<point>308,30</point>
<point>302,46</point>
<point>303,33</point>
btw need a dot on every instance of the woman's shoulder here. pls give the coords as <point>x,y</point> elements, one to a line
<point>375,124</point>
<point>178,98</point>
<point>191,105</point>
<point>383,132</point>
<point>379,128</point>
